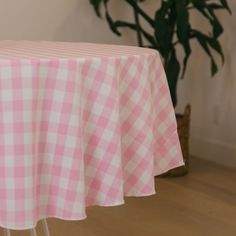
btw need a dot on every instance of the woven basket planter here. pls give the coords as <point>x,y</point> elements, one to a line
<point>183,123</point>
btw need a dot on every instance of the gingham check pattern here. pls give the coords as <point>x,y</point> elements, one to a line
<point>80,124</point>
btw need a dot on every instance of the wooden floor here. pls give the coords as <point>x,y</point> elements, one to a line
<point>200,204</point>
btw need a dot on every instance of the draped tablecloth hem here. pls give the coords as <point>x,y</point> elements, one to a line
<point>39,219</point>
<point>169,154</point>
<point>159,172</point>
<point>79,217</point>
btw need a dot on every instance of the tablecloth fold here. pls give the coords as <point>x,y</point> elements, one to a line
<point>76,132</point>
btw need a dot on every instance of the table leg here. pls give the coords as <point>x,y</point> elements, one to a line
<point>33,232</point>
<point>45,228</point>
<point>6,232</point>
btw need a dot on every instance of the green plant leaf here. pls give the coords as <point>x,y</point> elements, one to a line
<point>110,20</point>
<point>151,39</point>
<point>96,4</point>
<point>134,4</point>
<point>183,30</point>
<point>172,69</point>
<point>122,24</point>
<point>225,5</point>
<point>216,25</point>
<point>214,43</point>
<point>202,39</point>
<point>182,21</point>
<point>207,10</point>
<point>215,6</point>
<point>164,27</point>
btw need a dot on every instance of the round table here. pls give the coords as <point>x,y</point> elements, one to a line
<point>80,124</point>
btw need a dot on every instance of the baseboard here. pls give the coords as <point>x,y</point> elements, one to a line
<point>221,153</point>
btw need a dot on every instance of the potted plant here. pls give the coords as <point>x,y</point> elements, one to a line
<point>171,28</point>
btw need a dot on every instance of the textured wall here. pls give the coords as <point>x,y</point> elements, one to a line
<point>68,20</point>
<point>213,100</point>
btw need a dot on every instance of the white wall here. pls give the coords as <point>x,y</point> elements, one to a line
<point>60,20</point>
<point>213,100</point>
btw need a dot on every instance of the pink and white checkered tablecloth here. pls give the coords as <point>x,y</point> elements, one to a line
<point>80,124</point>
